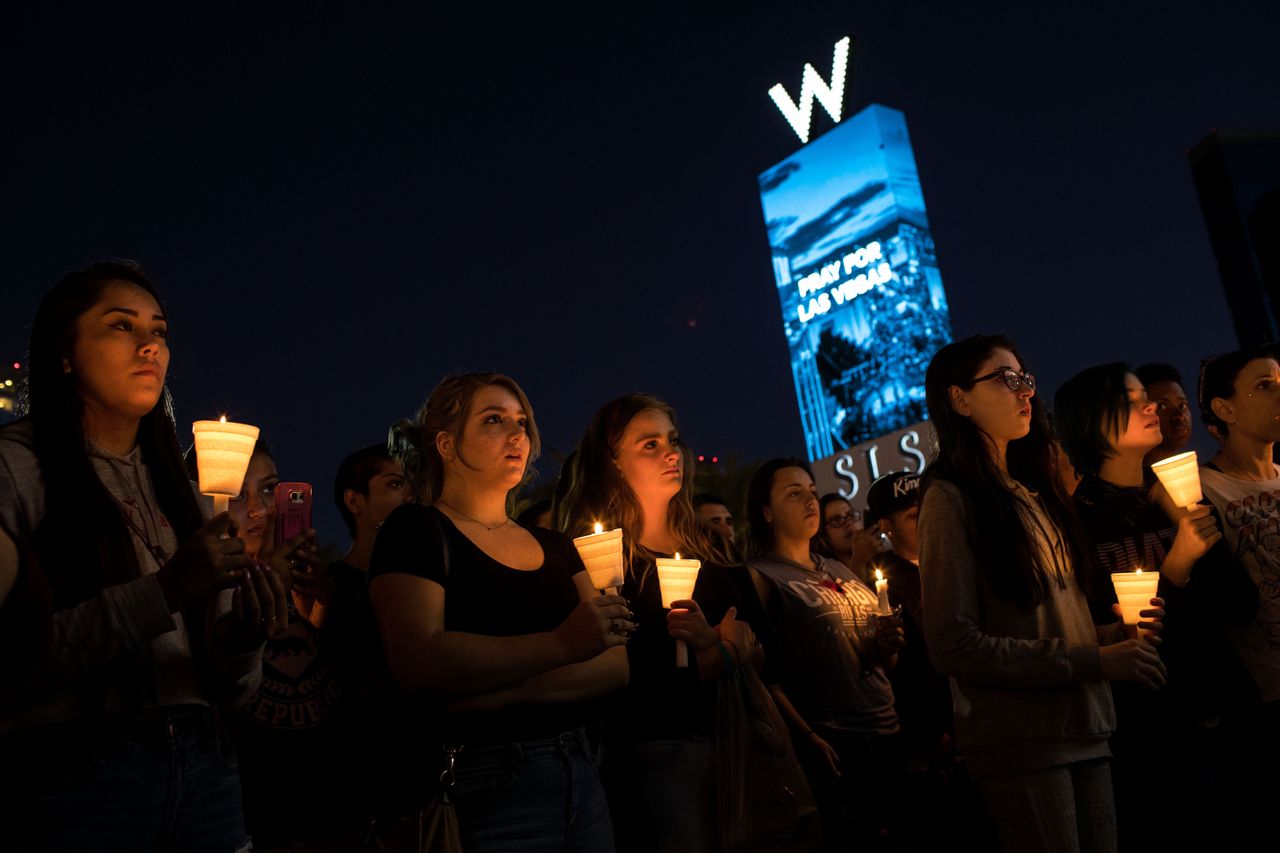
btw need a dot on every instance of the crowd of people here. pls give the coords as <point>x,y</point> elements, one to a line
<point>175,679</point>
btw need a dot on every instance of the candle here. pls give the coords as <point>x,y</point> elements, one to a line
<point>601,553</point>
<point>223,450</point>
<point>1180,476</point>
<point>1134,591</point>
<point>676,579</point>
<point>882,595</point>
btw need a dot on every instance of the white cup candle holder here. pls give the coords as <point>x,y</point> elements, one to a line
<point>223,450</point>
<point>676,579</point>
<point>601,553</point>
<point>1134,591</point>
<point>1180,476</point>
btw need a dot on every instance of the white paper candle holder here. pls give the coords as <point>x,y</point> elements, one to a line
<point>1180,476</point>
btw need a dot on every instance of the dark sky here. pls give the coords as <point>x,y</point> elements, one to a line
<point>343,206</point>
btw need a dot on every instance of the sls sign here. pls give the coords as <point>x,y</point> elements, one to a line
<point>800,112</point>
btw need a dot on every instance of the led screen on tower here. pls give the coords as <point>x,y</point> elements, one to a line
<point>862,300</point>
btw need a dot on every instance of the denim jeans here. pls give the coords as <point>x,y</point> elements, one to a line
<point>539,795</point>
<point>166,784</point>
<point>662,794</point>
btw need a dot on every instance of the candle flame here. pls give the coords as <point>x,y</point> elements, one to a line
<point>599,528</point>
<point>222,420</point>
<point>677,555</point>
<point>879,575</point>
<point>1138,572</point>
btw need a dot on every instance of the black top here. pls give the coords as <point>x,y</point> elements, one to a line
<point>1125,530</point>
<point>483,596</point>
<point>661,700</point>
<point>921,695</point>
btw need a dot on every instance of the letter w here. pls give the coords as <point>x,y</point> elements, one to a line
<point>813,86</point>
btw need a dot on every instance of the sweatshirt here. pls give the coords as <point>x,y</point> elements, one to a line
<point>1026,685</point>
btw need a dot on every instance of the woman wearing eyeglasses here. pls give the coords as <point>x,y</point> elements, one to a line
<point>1005,611</point>
<point>842,535</point>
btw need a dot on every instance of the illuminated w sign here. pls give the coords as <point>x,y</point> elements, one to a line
<point>812,86</point>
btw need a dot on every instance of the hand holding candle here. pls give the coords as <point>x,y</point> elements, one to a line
<point>882,595</point>
<point>676,579</point>
<point>601,553</point>
<point>223,450</point>
<point>1134,591</point>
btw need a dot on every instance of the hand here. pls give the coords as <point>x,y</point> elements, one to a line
<point>297,562</point>
<point>827,751</point>
<point>686,622</point>
<point>739,636</point>
<point>259,611</point>
<point>594,625</point>
<point>1132,660</point>
<point>1149,629</point>
<point>212,560</point>
<point>889,635</point>
<point>1198,531</point>
<point>866,544</point>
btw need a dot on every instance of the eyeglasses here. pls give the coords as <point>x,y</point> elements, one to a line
<point>1011,377</point>
<point>844,520</point>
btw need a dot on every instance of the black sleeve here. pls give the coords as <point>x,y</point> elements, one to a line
<point>751,611</point>
<point>411,541</point>
<point>569,555</point>
<point>1223,586</point>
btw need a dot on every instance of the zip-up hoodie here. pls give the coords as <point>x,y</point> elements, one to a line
<point>1026,685</point>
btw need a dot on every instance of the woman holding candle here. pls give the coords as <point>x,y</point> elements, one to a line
<point>632,472</point>
<point>833,652</point>
<point>1108,427</point>
<point>118,622</point>
<point>1005,610</point>
<point>494,626</point>
<point>843,536</point>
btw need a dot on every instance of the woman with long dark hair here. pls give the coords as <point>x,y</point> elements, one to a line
<point>1108,427</point>
<point>633,472</point>
<point>1005,613</point>
<point>121,628</point>
<point>494,628</point>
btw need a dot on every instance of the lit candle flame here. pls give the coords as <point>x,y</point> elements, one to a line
<point>879,575</point>
<point>1138,572</point>
<point>599,528</point>
<point>677,555</point>
<point>222,420</point>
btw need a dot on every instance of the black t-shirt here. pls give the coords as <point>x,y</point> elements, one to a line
<point>483,596</point>
<point>661,700</point>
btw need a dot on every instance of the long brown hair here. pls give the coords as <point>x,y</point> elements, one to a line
<point>413,441</point>
<point>597,492</point>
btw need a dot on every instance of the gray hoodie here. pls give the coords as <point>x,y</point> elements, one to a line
<point>1026,684</point>
<point>123,649</point>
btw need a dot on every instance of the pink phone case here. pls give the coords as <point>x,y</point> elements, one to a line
<point>293,510</point>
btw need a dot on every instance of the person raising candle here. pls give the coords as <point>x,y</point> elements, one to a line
<point>126,616</point>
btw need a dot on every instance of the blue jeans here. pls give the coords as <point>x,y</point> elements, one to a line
<point>166,784</point>
<point>662,794</point>
<point>538,795</point>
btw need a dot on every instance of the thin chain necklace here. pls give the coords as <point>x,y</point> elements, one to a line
<point>505,522</point>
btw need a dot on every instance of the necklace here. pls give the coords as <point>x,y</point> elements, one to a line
<point>490,529</point>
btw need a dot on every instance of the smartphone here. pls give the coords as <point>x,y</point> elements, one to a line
<point>293,510</point>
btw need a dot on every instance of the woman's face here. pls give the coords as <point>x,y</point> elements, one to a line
<point>494,444</point>
<point>793,505</point>
<point>649,456</point>
<point>254,510</point>
<point>120,357</point>
<point>1254,409</point>
<point>1002,413</point>
<point>840,523</point>
<point>1142,433</point>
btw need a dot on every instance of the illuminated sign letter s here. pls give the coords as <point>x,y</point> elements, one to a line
<point>798,113</point>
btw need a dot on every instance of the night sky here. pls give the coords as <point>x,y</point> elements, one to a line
<point>342,207</point>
